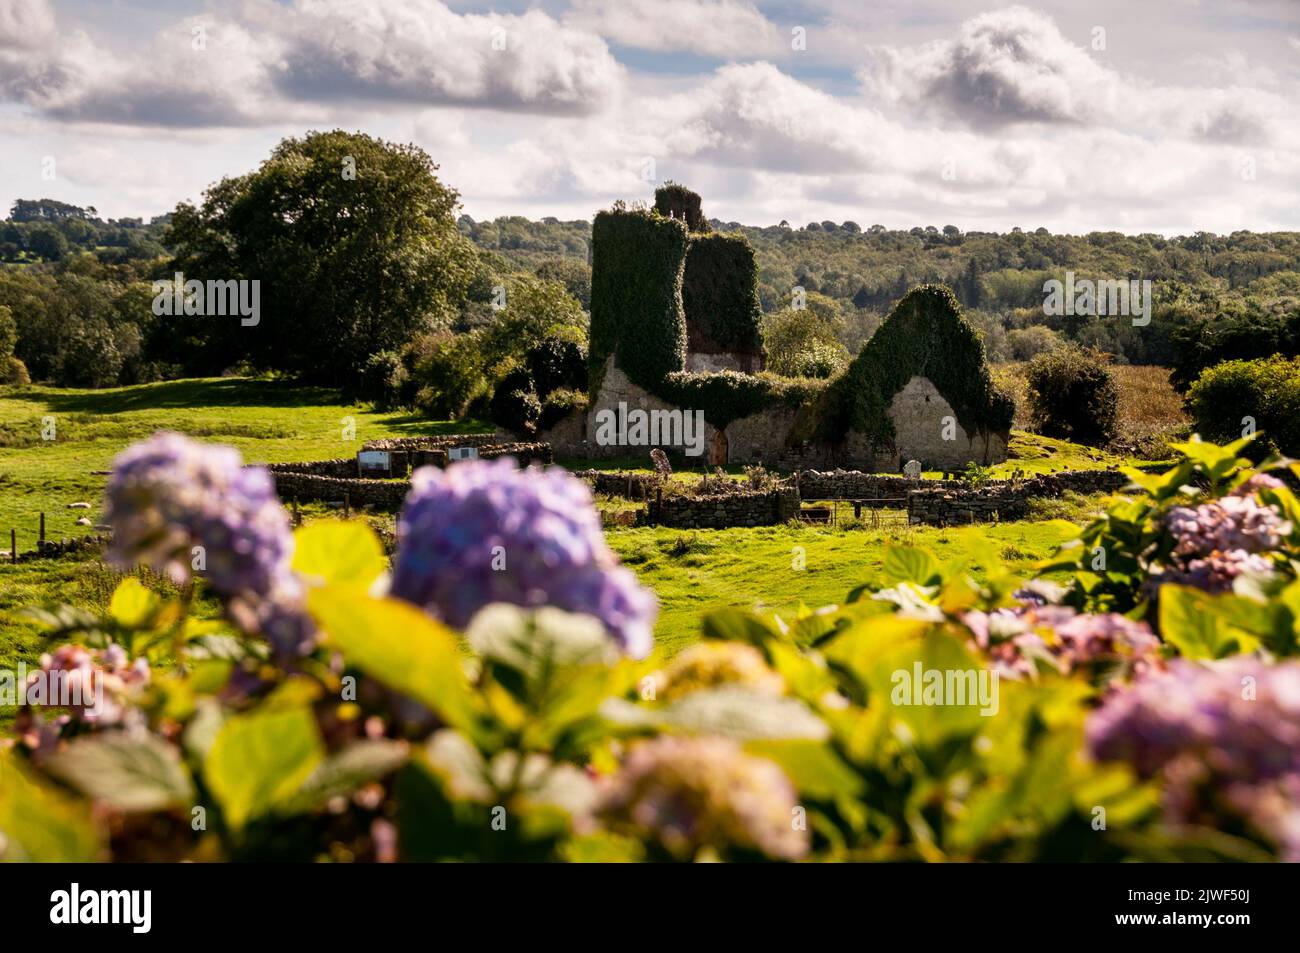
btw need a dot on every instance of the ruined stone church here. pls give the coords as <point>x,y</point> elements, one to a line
<point>675,329</point>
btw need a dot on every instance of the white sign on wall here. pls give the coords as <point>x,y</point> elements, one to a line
<point>374,460</point>
<point>462,453</point>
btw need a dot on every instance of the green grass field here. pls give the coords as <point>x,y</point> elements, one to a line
<point>270,421</point>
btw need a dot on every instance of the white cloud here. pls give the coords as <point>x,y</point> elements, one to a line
<point>263,63</point>
<point>1038,129</point>
<point>1015,66</point>
<point>719,28</point>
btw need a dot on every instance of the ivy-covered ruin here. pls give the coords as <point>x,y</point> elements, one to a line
<point>675,324</point>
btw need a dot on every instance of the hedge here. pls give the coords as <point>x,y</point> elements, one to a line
<point>637,263</point>
<point>726,396</point>
<point>924,335</point>
<point>1266,390</point>
<point>720,295</point>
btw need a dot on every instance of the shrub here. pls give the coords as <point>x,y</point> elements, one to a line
<point>636,295</point>
<point>790,332</point>
<point>15,373</point>
<point>725,396</point>
<point>1024,344</point>
<point>8,333</point>
<point>446,371</point>
<point>822,359</point>
<point>557,364</point>
<point>1266,390</point>
<point>1073,396</point>
<point>514,403</point>
<point>381,379</point>
<point>558,405</point>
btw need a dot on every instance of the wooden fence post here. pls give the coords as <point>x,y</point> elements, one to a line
<point>13,547</point>
<point>42,530</point>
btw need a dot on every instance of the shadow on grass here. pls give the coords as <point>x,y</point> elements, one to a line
<point>201,393</point>
<point>192,394</point>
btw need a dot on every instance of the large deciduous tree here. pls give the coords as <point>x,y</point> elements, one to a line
<point>354,243</point>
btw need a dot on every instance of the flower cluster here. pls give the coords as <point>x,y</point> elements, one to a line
<point>692,794</point>
<point>96,687</point>
<point>1220,735</point>
<point>1016,639</point>
<point>484,531</point>
<point>184,507</point>
<point>1219,541</point>
<point>712,663</point>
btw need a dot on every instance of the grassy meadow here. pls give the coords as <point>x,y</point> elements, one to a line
<point>273,421</point>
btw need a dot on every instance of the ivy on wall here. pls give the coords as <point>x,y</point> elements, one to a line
<point>637,263</point>
<point>677,201</point>
<point>924,335</point>
<point>727,396</point>
<point>720,295</point>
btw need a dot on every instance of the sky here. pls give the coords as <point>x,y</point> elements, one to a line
<point>1167,116</point>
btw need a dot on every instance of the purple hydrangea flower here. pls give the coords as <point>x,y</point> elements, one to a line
<point>484,531</point>
<point>1222,736</point>
<point>1017,638</point>
<point>182,507</point>
<point>691,794</point>
<point>1219,541</point>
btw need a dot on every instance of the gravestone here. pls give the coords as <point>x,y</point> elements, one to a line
<point>912,469</point>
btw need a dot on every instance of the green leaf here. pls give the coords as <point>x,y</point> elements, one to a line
<point>133,606</point>
<point>355,766</point>
<point>816,770</point>
<point>731,710</point>
<point>1163,485</point>
<point>259,760</point>
<point>332,552</point>
<point>893,677</point>
<point>40,824</point>
<point>1190,622</point>
<point>911,564</point>
<point>400,646</point>
<point>533,643</point>
<point>129,772</point>
<point>736,625</point>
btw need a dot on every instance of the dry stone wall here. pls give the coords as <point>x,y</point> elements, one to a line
<point>340,469</point>
<point>954,505</point>
<point>743,508</point>
<point>307,488</point>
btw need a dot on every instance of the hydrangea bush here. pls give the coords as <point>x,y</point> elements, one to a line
<point>493,694</point>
